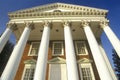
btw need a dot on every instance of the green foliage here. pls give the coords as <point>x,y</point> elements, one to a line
<point>116,61</point>
<point>5,54</point>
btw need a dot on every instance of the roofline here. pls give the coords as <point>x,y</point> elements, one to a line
<point>46,5</point>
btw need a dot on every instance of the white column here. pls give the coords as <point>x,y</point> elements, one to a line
<point>5,36</point>
<point>40,71</point>
<point>112,37</point>
<point>72,69</point>
<point>107,62</point>
<point>98,58</point>
<point>14,60</point>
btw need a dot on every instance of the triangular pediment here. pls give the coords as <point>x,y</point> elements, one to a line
<point>57,60</point>
<point>57,9</point>
<point>30,61</point>
<point>84,60</point>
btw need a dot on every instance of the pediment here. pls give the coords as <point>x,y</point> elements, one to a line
<point>30,61</point>
<point>56,9</point>
<point>57,60</point>
<point>84,60</point>
<point>58,6</point>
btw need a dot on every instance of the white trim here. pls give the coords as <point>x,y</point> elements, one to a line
<point>29,53</point>
<point>84,60</point>
<point>30,61</point>
<point>25,67</point>
<point>87,65</point>
<point>76,48</point>
<point>57,60</point>
<point>53,48</point>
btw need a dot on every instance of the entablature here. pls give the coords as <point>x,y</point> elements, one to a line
<point>59,19</point>
<point>57,14</point>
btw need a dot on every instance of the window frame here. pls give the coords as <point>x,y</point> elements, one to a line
<point>64,74</point>
<point>62,50</point>
<point>86,65</point>
<point>30,49</point>
<point>85,48</point>
<point>27,66</point>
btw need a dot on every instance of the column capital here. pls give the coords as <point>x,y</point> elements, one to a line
<point>66,23</point>
<point>48,23</point>
<point>103,24</point>
<point>12,26</point>
<point>84,23</point>
<point>30,25</point>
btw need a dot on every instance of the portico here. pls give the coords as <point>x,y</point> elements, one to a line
<point>57,22</point>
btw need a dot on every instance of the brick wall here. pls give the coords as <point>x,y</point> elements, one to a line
<point>26,57</point>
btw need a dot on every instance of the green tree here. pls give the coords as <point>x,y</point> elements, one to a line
<point>5,54</point>
<point>116,61</point>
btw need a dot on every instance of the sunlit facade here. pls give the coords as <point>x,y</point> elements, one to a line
<point>59,42</point>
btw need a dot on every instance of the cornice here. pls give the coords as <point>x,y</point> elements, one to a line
<point>57,14</point>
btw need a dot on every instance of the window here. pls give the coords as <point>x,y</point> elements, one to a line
<point>57,72</point>
<point>34,49</point>
<point>87,72</point>
<point>57,48</point>
<point>28,72</point>
<point>81,48</point>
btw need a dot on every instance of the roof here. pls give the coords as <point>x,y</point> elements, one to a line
<point>57,9</point>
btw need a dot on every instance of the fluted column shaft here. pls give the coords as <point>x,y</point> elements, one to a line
<point>14,60</point>
<point>72,71</point>
<point>40,71</point>
<point>98,58</point>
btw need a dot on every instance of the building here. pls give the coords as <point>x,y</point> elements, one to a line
<point>59,42</point>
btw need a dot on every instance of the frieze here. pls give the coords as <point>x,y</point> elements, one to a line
<point>56,14</point>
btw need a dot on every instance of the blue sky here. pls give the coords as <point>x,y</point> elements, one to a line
<point>7,6</point>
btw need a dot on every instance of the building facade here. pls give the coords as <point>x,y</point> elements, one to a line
<point>59,42</point>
